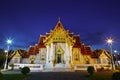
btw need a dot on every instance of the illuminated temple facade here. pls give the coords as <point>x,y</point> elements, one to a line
<point>62,49</point>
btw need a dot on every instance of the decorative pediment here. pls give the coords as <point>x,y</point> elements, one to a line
<point>59,34</point>
<point>15,54</point>
<point>59,51</point>
<point>105,54</point>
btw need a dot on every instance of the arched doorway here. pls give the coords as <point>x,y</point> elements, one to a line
<point>59,55</point>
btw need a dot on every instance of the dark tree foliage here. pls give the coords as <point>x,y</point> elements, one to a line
<point>90,70</point>
<point>2,57</point>
<point>9,53</point>
<point>116,76</point>
<point>1,76</point>
<point>25,70</point>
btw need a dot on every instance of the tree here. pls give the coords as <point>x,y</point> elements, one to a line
<point>2,57</point>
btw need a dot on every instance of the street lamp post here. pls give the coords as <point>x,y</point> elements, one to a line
<point>9,41</point>
<point>110,41</point>
<point>116,57</point>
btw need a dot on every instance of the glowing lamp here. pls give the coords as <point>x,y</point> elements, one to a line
<point>9,41</point>
<point>109,41</point>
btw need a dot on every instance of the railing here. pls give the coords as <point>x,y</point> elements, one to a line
<point>96,66</point>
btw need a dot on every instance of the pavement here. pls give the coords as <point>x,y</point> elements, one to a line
<point>53,75</point>
<point>11,72</point>
<point>58,76</point>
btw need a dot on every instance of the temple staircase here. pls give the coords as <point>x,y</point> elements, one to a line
<point>58,68</point>
<point>60,65</point>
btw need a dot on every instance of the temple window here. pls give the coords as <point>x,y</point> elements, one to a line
<point>43,59</point>
<point>16,60</point>
<point>98,61</point>
<point>42,56</point>
<point>75,56</point>
<point>32,60</point>
<point>104,60</point>
<point>87,62</point>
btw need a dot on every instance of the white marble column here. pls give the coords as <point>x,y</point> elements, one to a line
<point>47,55</point>
<point>67,56</point>
<point>51,56</point>
<point>53,52</point>
<point>67,52</point>
<point>70,54</point>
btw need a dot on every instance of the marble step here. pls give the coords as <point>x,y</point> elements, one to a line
<point>60,65</point>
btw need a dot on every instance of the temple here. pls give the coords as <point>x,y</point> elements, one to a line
<point>61,49</point>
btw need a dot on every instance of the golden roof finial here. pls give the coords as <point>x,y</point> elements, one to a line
<point>58,19</point>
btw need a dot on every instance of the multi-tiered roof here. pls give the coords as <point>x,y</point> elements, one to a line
<point>59,34</point>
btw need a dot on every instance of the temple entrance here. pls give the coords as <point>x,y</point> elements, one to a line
<point>59,56</point>
<point>59,59</point>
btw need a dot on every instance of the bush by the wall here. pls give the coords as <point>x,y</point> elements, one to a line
<point>1,76</point>
<point>12,66</point>
<point>116,76</point>
<point>25,70</point>
<point>90,70</point>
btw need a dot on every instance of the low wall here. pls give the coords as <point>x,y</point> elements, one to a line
<point>96,66</point>
<point>31,66</point>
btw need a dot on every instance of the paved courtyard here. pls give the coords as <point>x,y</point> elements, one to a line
<point>58,76</point>
<point>81,75</point>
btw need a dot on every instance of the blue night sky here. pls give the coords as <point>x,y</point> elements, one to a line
<point>94,20</point>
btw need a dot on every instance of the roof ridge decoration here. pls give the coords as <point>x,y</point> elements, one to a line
<point>59,25</point>
<point>59,34</point>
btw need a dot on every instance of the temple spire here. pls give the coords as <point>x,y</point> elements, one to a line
<point>58,19</point>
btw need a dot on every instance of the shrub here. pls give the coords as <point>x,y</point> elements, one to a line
<point>12,66</point>
<point>117,68</point>
<point>116,76</point>
<point>1,76</point>
<point>90,70</point>
<point>25,70</point>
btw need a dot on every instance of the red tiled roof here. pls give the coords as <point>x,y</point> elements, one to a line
<point>47,34</point>
<point>41,44</point>
<point>77,42</point>
<point>82,49</point>
<point>31,50</point>
<point>36,49</point>
<point>71,34</point>
<point>88,50</point>
<point>85,50</point>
